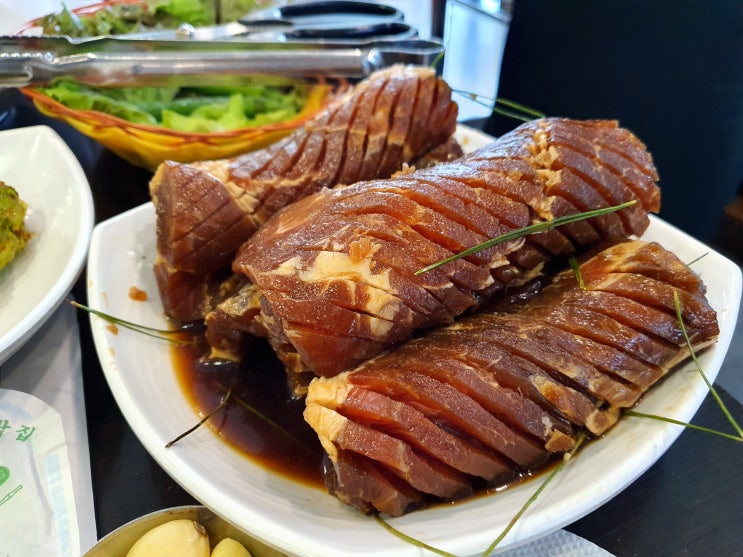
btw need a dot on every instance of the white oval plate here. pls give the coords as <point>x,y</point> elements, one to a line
<point>48,177</point>
<point>306,522</point>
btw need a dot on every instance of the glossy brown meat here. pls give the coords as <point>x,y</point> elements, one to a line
<point>205,210</point>
<point>336,270</point>
<point>496,394</point>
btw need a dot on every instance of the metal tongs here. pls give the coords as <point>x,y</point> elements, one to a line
<point>310,39</point>
<point>109,61</point>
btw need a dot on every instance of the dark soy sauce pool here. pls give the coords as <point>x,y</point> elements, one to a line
<point>262,418</point>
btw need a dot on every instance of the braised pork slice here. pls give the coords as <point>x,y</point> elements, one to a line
<point>494,395</point>
<point>337,270</point>
<point>205,210</point>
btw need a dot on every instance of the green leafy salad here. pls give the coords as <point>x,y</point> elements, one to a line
<point>189,109</point>
<point>264,100</point>
<point>136,17</point>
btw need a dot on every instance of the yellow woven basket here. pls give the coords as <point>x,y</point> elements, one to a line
<point>147,146</point>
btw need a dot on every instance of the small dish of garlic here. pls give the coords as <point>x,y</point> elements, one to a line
<point>190,531</point>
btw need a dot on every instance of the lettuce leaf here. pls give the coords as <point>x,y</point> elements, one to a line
<point>194,110</point>
<point>117,19</point>
<point>195,12</point>
<point>120,102</point>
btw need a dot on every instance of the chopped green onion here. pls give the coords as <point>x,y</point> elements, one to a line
<point>202,421</point>
<point>690,263</point>
<point>520,107</point>
<point>575,266</point>
<point>409,539</point>
<point>271,423</point>
<point>227,398</point>
<point>525,231</point>
<point>710,387</point>
<point>565,459</point>
<point>522,113</point>
<point>635,413</point>
<point>162,334</point>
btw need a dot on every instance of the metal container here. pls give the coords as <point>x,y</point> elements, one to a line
<point>118,542</point>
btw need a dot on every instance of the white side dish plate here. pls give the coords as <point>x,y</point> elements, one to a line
<point>306,522</point>
<point>39,165</point>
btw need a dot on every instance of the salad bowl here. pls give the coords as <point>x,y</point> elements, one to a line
<point>219,130</point>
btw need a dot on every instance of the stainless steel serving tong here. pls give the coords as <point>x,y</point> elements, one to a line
<point>111,61</point>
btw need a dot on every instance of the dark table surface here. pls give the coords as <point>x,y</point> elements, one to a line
<point>690,502</point>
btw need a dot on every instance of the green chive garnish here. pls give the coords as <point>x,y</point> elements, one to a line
<point>162,334</point>
<point>565,459</point>
<point>525,231</point>
<point>710,387</point>
<point>575,266</point>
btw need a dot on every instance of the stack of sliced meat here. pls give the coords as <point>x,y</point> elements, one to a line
<point>493,396</point>
<point>333,276</point>
<point>205,210</point>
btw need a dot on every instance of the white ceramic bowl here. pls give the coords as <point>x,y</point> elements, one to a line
<point>48,177</point>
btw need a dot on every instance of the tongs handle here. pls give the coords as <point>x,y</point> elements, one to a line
<point>28,61</point>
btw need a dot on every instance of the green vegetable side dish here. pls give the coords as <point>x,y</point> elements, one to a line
<point>135,17</point>
<point>189,109</point>
<point>265,100</point>
<point>13,235</point>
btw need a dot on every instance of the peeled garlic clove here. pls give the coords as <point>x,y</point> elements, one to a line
<point>182,537</point>
<point>230,548</point>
